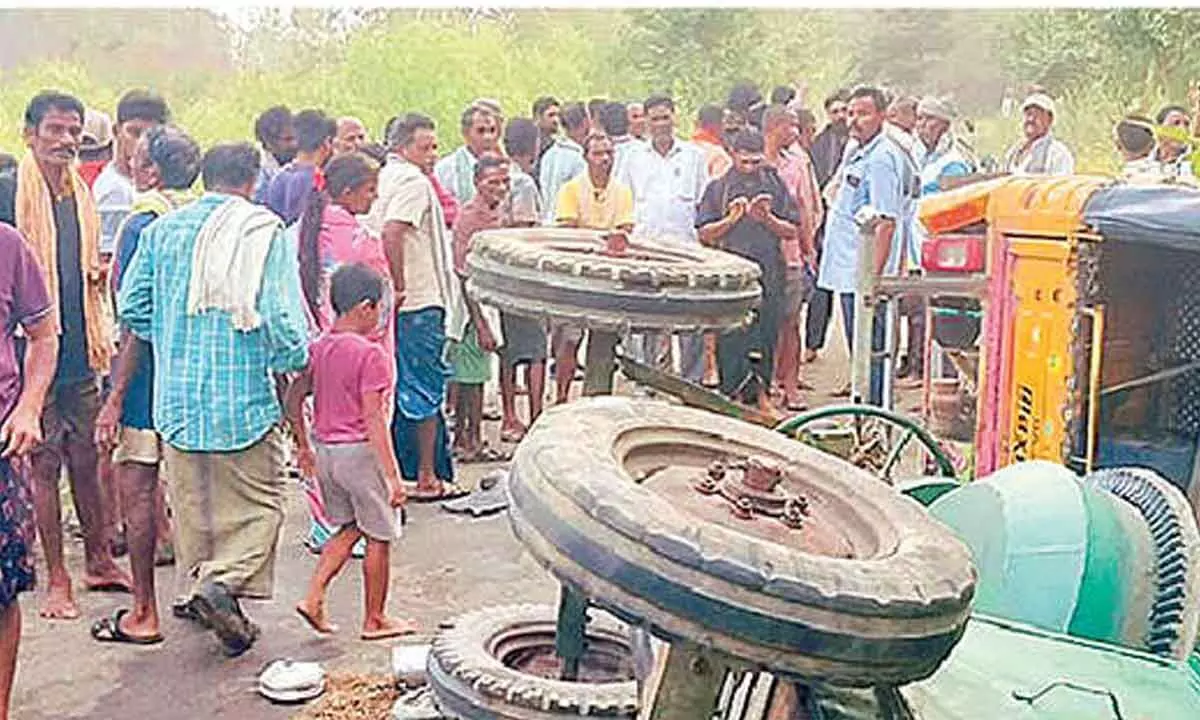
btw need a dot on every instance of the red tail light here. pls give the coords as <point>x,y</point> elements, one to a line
<point>957,253</point>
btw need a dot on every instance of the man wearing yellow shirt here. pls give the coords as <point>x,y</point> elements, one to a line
<point>596,201</point>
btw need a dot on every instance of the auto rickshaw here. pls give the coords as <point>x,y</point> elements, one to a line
<point>1086,349</point>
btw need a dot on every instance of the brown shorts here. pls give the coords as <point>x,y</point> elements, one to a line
<point>137,446</point>
<point>69,417</point>
<point>354,489</point>
<point>798,285</point>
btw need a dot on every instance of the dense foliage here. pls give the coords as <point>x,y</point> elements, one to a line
<point>218,75</point>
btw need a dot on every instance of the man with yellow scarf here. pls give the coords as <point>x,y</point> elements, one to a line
<point>54,211</point>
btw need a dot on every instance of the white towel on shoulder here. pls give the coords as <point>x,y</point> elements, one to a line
<point>228,260</point>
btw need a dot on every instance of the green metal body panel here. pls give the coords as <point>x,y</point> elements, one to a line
<point>1027,527</point>
<point>1100,607</point>
<point>997,658</point>
<point>927,490</point>
<point>1113,604</point>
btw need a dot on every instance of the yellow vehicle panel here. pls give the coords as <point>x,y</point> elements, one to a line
<point>1042,206</point>
<point>1043,285</point>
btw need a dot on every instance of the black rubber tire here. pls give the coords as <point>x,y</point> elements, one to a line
<point>891,618</point>
<point>470,683</point>
<point>1175,614</point>
<point>559,274</point>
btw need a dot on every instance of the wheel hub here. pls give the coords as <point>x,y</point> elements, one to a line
<point>531,651</point>
<point>752,487</point>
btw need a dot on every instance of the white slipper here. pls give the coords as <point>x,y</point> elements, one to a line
<point>286,681</point>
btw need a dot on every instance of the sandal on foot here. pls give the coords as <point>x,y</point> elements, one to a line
<point>108,630</point>
<point>392,632</point>
<point>329,628</point>
<point>512,435</point>
<point>109,586</point>
<point>164,555</point>
<point>425,495</point>
<point>451,490</point>
<point>485,454</point>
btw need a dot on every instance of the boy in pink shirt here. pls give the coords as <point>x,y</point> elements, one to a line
<point>350,379</point>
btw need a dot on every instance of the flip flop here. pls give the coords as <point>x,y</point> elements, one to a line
<point>164,555</point>
<point>388,633</point>
<point>418,495</point>
<point>312,623</point>
<point>451,490</point>
<point>485,454</point>
<point>512,436</point>
<point>108,630</point>
<point>111,586</point>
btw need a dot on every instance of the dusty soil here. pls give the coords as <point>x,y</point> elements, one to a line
<point>352,696</point>
<point>445,565</point>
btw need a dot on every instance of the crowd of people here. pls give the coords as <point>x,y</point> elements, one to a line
<point>308,310</point>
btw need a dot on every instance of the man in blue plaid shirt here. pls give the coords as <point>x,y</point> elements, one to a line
<point>214,288</point>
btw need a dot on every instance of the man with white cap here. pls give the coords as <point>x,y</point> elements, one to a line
<point>95,144</point>
<point>942,165</point>
<point>940,156</point>
<point>1040,153</point>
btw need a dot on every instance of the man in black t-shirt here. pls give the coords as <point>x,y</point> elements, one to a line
<point>749,212</point>
<point>64,237</point>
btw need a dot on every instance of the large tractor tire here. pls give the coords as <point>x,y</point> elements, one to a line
<point>1174,618</point>
<point>564,275</point>
<point>499,664</point>
<point>868,590</point>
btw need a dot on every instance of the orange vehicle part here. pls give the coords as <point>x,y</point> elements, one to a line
<point>1035,225</point>
<point>956,209</point>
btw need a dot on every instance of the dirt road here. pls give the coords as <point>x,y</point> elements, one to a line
<point>446,564</point>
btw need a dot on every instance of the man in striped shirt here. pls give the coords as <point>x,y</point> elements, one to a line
<point>226,328</point>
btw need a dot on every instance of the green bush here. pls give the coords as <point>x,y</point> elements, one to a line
<point>437,61</point>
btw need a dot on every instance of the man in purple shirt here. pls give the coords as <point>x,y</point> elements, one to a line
<point>24,302</point>
<point>289,191</point>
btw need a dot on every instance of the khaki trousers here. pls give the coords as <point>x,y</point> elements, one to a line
<point>228,514</point>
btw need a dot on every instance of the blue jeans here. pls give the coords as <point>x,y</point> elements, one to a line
<point>878,330</point>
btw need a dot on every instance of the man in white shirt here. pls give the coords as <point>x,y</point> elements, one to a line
<point>407,218</point>
<point>480,125</point>
<point>667,176</point>
<point>137,111</point>
<point>1040,153</point>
